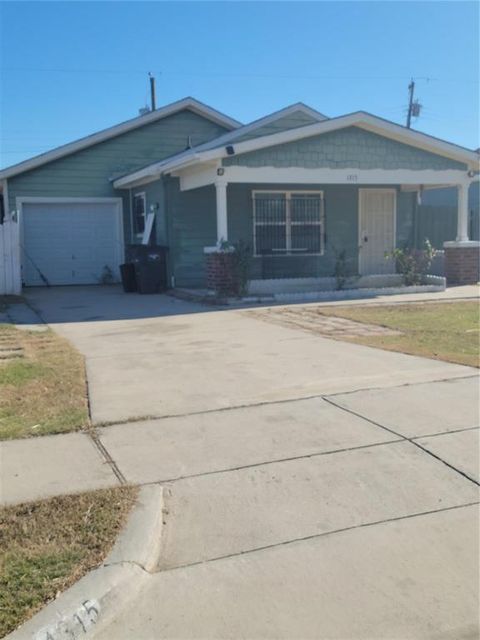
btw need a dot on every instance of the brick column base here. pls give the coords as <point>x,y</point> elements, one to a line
<point>221,276</point>
<point>462,262</point>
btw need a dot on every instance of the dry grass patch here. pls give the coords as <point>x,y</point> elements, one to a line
<point>42,384</point>
<point>46,546</point>
<point>443,331</point>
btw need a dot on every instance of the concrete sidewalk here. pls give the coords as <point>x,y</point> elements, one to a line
<point>169,449</point>
<point>412,578</point>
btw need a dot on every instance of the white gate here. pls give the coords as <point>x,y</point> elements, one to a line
<point>10,278</point>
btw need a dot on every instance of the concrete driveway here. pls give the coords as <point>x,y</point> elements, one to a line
<point>314,488</point>
<point>155,356</point>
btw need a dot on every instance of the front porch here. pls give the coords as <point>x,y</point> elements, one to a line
<point>305,235</point>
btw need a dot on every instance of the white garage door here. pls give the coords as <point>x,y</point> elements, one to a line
<point>71,242</point>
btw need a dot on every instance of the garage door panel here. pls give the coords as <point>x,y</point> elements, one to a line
<point>70,243</point>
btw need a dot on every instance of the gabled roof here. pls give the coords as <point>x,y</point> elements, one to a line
<point>247,129</point>
<point>186,103</point>
<point>360,119</point>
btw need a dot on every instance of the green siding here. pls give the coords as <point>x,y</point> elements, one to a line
<point>341,226</point>
<point>87,173</point>
<point>291,121</point>
<point>192,225</point>
<point>347,148</point>
<point>341,216</point>
<point>406,205</point>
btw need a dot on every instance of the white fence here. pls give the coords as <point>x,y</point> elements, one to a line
<point>10,278</point>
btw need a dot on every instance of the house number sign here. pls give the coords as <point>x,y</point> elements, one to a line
<point>73,626</point>
<point>352,177</point>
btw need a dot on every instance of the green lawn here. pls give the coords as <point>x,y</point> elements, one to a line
<point>42,384</point>
<point>445,331</point>
<point>45,546</point>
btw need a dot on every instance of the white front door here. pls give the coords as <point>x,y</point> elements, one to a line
<point>376,228</point>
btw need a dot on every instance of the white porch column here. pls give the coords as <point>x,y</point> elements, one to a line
<point>222,217</point>
<point>462,208</point>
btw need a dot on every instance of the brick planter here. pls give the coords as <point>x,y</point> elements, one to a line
<point>221,276</point>
<point>462,262</point>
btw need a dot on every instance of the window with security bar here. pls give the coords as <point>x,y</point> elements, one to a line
<point>288,223</point>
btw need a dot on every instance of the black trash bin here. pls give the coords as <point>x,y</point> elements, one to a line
<point>129,281</point>
<point>149,277</point>
<point>150,262</point>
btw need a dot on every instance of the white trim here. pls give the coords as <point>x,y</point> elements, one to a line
<point>462,213</point>
<point>53,200</point>
<point>138,194</point>
<point>153,171</point>
<point>222,215</point>
<point>288,224</point>
<point>193,179</point>
<point>359,230</point>
<point>360,119</point>
<point>285,175</point>
<point>124,127</point>
<point>461,244</point>
<point>21,200</point>
<point>198,177</point>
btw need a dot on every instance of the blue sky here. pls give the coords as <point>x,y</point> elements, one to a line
<point>72,68</point>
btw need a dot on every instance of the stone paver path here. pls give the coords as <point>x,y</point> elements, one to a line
<point>310,319</point>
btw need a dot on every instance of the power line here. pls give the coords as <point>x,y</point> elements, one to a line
<point>230,74</point>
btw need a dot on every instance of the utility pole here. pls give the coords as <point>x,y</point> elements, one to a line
<point>414,106</point>
<point>152,91</point>
<point>411,89</point>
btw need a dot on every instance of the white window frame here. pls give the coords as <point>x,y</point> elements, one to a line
<point>288,223</point>
<point>143,195</point>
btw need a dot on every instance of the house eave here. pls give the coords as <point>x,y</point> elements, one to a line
<point>360,119</point>
<point>111,132</point>
<point>151,172</point>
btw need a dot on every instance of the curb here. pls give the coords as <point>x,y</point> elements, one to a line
<point>92,602</point>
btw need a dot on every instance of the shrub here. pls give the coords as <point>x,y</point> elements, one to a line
<point>341,268</point>
<point>413,264</point>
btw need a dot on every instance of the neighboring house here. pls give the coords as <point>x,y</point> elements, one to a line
<point>297,187</point>
<point>436,217</point>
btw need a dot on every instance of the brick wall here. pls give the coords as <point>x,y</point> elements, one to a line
<point>220,273</point>
<point>462,265</point>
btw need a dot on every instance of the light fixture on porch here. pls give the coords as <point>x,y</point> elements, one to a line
<point>220,171</point>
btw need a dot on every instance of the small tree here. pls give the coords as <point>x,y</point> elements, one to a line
<point>413,264</point>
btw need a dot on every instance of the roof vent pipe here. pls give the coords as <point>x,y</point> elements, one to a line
<point>152,91</point>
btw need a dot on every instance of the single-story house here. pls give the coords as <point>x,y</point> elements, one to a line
<point>297,187</point>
